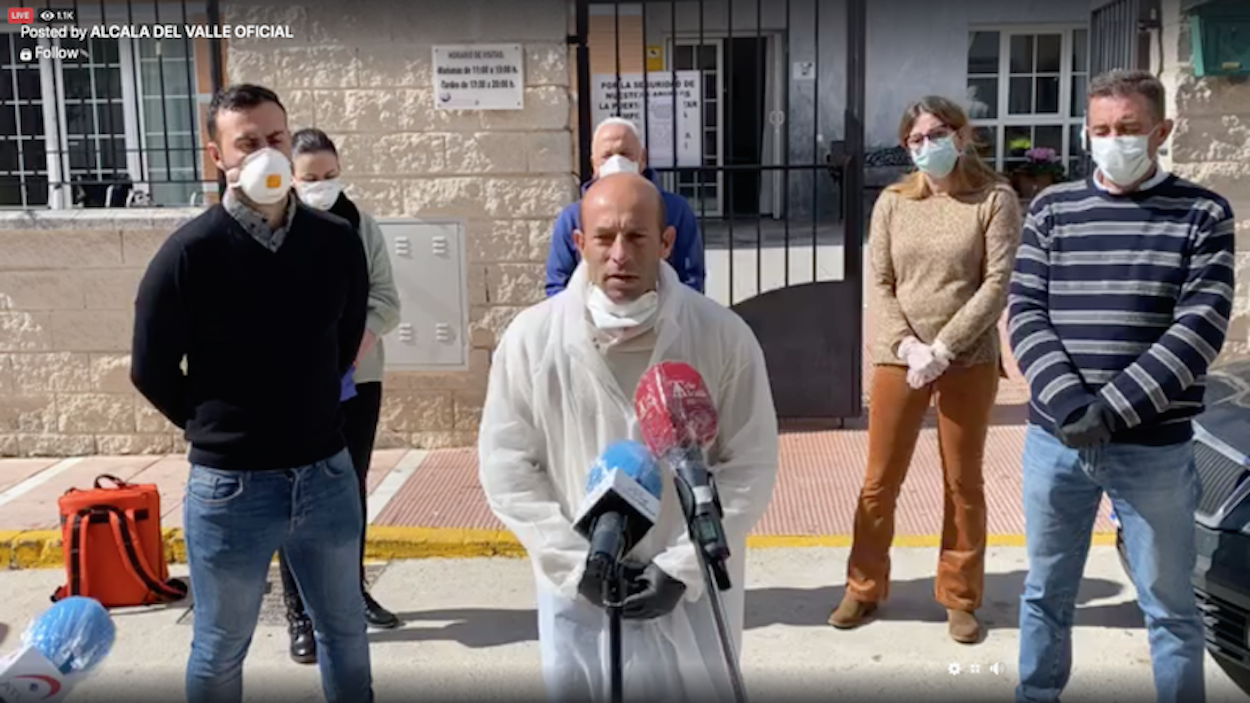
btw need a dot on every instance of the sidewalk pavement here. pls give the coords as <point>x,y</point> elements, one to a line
<point>429,503</point>
<point>470,634</point>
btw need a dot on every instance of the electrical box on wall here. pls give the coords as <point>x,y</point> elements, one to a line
<point>428,263</point>
<point>1220,36</point>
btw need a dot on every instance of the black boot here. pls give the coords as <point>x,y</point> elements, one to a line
<point>377,616</point>
<point>303,643</point>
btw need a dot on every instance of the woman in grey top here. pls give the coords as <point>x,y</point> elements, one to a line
<point>316,163</point>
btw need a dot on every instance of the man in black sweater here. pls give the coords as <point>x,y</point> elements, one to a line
<point>266,300</point>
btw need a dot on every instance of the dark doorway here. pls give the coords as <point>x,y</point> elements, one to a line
<point>745,75</point>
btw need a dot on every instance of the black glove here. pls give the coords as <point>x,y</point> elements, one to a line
<point>592,588</point>
<point>652,595</point>
<point>1090,428</point>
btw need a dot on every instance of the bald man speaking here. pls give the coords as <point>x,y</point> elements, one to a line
<point>617,148</point>
<point>561,387</point>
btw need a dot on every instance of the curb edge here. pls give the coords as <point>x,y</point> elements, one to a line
<point>41,549</point>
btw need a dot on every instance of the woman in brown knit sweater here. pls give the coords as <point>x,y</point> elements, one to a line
<point>943,245</point>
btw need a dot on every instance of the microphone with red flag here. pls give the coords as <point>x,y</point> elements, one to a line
<point>674,408</point>
<point>678,422</point>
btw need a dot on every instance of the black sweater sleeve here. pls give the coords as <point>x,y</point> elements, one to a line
<point>356,310</point>
<point>161,334</point>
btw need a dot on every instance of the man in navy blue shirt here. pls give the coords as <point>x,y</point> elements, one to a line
<point>616,148</point>
<point>1119,304</point>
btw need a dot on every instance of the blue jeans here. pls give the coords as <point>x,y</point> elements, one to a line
<point>234,521</point>
<point>1154,491</point>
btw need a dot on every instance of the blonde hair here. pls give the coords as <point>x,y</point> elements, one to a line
<point>971,174</point>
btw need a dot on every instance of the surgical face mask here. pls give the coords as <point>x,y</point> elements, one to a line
<point>617,164</point>
<point>614,317</point>
<point>1124,160</point>
<point>265,176</point>
<point>320,194</point>
<point>936,157</point>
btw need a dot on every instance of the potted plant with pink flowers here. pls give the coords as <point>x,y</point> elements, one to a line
<point>1042,168</point>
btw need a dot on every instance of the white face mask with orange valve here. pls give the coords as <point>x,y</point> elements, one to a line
<point>265,176</point>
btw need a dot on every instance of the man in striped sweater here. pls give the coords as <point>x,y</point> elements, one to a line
<point>1120,300</point>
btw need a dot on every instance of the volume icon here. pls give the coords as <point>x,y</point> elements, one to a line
<point>997,668</point>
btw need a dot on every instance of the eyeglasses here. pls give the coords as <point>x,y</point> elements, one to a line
<point>916,141</point>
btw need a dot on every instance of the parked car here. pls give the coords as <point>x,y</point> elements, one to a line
<point>1222,577</point>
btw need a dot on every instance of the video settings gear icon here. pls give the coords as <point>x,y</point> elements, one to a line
<point>954,669</point>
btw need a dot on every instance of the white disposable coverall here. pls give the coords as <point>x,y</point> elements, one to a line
<point>551,407</point>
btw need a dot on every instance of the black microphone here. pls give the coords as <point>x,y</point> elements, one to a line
<point>622,503</point>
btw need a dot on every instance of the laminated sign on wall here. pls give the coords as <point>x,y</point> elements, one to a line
<point>479,77</point>
<point>666,112</point>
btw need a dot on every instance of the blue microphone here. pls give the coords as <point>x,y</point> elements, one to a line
<point>622,503</point>
<point>74,635</point>
<point>59,649</point>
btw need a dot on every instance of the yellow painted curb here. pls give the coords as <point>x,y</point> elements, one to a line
<point>36,549</point>
<point>385,542</point>
<point>1100,539</point>
<point>6,546</point>
<point>42,548</point>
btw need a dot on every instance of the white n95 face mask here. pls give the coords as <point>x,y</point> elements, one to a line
<point>319,194</point>
<point>610,316</point>
<point>617,164</point>
<point>265,176</point>
<point>1123,160</point>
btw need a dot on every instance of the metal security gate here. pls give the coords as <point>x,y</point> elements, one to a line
<point>738,106</point>
<point>102,121</point>
<point>1117,35</point>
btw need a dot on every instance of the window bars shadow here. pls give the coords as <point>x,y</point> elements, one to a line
<point>91,117</point>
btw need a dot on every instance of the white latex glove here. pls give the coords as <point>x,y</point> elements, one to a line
<point>925,363</point>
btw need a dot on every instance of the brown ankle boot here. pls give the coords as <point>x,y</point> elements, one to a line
<point>851,613</point>
<point>963,626</point>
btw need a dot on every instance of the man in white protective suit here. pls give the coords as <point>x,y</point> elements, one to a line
<point>561,390</point>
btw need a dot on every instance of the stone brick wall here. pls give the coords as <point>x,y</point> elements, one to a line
<point>365,77</point>
<point>1211,146</point>
<point>67,290</point>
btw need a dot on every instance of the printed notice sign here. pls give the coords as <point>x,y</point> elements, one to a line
<point>666,112</point>
<point>479,77</point>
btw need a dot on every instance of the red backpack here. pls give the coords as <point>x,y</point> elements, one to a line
<point>114,553</point>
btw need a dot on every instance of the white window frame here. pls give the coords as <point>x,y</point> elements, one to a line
<point>1063,118</point>
<point>139,164</point>
<point>17,118</point>
<point>60,197</point>
<point>670,183</point>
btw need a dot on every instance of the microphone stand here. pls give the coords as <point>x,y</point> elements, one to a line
<point>605,564</point>
<point>613,597</point>
<point>707,534</point>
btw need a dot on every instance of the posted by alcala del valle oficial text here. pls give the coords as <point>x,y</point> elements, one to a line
<point>160,31</point>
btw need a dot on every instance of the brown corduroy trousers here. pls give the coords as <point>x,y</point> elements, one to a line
<point>965,398</point>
